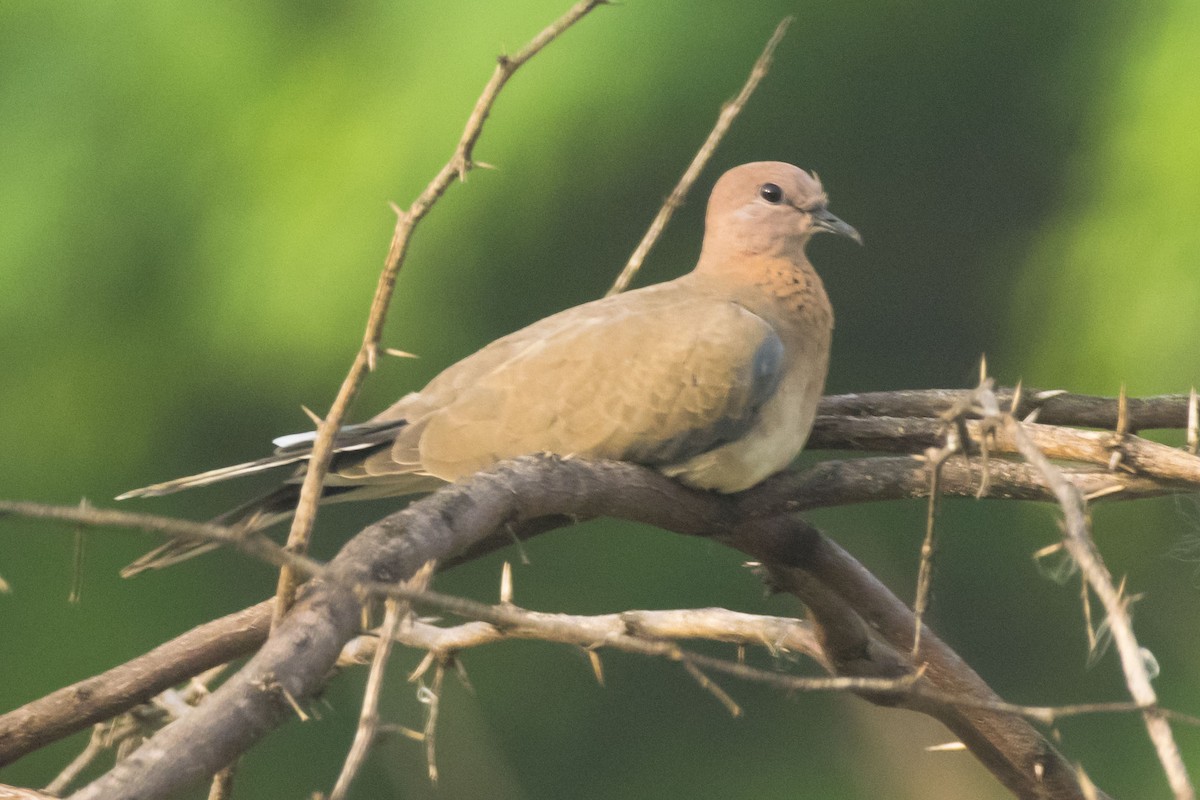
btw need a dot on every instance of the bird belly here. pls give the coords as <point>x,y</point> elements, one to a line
<point>774,441</point>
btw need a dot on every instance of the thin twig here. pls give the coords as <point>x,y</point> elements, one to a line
<point>456,168</point>
<point>432,697</point>
<point>1054,406</point>
<point>1193,422</point>
<point>934,459</point>
<point>728,114</point>
<point>1079,542</point>
<point>97,744</point>
<point>954,442</point>
<point>778,635</point>
<point>368,720</point>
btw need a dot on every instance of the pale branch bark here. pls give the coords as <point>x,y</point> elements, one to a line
<point>913,435</point>
<point>651,632</point>
<point>846,602</point>
<point>775,634</point>
<point>368,720</point>
<point>1054,407</point>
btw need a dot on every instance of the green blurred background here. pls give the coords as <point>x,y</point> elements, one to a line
<point>193,211</point>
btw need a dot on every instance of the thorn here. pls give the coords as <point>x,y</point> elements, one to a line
<point>397,210</point>
<point>1193,422</point>
<point>312,415</point>
<point>506,584</point>
<point>372,355</point>
<point>422,668</point>
<point>391,351</point>
<point>716,691</point>
<point>1016,399</point>
<point>407,732</point>
<point>76,591</point>
<point>1041,397</point>
<point>1090,792</point>
<point>945,748</point>
<point>293,703</point>
<point>483,165</point>
<point>1032,416</point>
<point>460,671</point>
<point>983,371</point>
<point>1104,492</point>
<point>512,532</point>
<point>1122,412</point>
<point>1048,550</point>
<point>597,666</point>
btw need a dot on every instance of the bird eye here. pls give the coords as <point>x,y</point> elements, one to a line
<point>771,193</point>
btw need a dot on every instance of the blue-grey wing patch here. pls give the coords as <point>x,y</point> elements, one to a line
<point>747,397</point>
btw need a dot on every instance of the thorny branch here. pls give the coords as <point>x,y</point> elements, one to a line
<point>457,167</point>
<point>1081,546</point>
<point>368,723</point>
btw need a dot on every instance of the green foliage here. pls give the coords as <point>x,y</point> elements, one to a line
<point>193,210</point>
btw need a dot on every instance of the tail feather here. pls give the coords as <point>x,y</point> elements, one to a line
<point>253,515</point>
<point>368,436</point>
<point>215,475</point>
<point>351,443</point>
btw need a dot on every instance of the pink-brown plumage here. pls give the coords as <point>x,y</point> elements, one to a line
<point>712,378</point>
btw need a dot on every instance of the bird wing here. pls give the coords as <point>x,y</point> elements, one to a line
<point>654,376</point>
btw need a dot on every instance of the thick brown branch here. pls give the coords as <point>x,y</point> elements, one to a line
<point>1054,407</point>
<point>869,633</point>
<point>295,661</point>
<point>110,693</point>
<point>826,484</point>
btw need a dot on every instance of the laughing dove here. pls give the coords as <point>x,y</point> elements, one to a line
<point>712,378</point>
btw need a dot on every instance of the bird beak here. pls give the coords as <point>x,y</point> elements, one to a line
<point>825,221</point>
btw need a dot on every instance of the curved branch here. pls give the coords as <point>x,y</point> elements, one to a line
<point>110,693</point>
<point>864,626</point>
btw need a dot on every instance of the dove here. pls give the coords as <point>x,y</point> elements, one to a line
<point>712,378</point>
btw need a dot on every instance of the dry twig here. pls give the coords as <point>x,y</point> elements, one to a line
<point>1079,542</point>
<point>457,167</point>
<point>728,114</point>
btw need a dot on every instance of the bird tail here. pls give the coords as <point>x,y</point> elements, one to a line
<point>290,449</point>
<point>253,515</point>
<point>277,505</point>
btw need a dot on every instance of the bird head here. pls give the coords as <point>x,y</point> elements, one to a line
<point>768,208</point>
